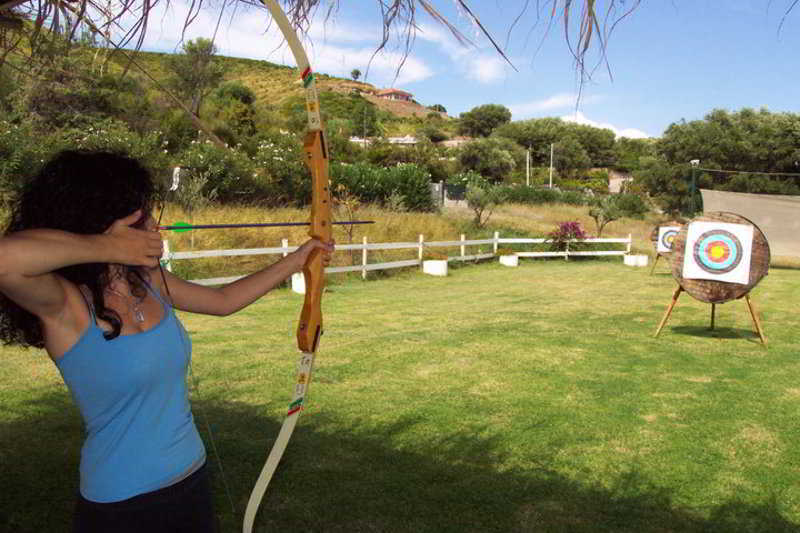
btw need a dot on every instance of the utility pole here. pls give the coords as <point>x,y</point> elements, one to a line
<point>528,167</point>
<point>551,165</point>
<point>693,188</point>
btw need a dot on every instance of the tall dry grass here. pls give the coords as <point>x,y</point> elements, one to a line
<point>389,226</point>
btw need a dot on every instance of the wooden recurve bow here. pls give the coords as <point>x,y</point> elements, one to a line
<point>310,326</point>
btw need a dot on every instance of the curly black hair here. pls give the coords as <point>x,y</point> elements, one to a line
<point>84,193</point>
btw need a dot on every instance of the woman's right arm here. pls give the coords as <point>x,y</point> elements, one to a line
<point>29,258</point>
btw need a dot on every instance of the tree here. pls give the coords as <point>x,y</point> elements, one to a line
<point>536,135</point>
<point>482,199</point>
<point>431,132</point>
<point>597,142</point>
<point>432,128</point>
<point>569,156</point>
<point>628,153</point>
<point>366,122</point>
<point>438,107</point>
<point>603,211</point>
<point>481,195</point>
<point>482,120</point>
<point>234,109</point>
<point>746,140</point>
<point>355,74</point>
<point>493,157</point>
<point>195,72</point>
<point>667,184</point>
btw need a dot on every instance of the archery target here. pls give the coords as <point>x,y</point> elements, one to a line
<point>666,236</point>
<point>718,251</point>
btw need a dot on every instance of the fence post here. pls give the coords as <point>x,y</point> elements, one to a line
<point>496,240</point>
<point>291,281</point>
<point>629,243</point>
<point>364,259</point>
<point>165,260</point>
<point>463,248</point>
<point>566,253</point>
<point>421,246</point>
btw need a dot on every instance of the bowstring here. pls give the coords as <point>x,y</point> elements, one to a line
<point>195,384</point>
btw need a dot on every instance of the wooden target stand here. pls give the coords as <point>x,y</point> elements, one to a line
<point>654,241</point>
<point>719,292</point>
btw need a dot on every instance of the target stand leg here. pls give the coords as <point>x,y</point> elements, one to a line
<point>756,321</point>
<point>653,268</point>
<point>713,313</point>
<point>675,296</point>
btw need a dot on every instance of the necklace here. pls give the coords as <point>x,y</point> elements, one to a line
<point>134,305</point>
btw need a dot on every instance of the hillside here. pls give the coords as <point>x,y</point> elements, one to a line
<point>276,84</point>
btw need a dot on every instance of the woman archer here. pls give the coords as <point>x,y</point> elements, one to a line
<point>79,277</point>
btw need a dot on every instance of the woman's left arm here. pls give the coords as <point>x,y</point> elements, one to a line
<point>222,301</point>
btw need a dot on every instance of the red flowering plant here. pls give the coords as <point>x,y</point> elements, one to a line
<point>565,232</point>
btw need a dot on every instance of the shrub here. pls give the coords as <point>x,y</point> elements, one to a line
<point>414,185</point>
<point>482,200</point>
<point>286,177</point>
<point>179,130</point>
<point>22,153</point>
<point>366,181</point>
<point>113,135</point>
<point>573,198</point>
<point>228,173</point>
<point>404,184</point>
<point>521,194</point>
<point>529,195</point>
<point>564,232</point>
<point>631,205</point>
<point>233,90</point>
<point>603,211</point>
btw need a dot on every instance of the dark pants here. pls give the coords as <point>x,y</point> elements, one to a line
<point>186,506</point>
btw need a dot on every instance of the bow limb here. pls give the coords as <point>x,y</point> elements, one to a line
<point>309,328</point>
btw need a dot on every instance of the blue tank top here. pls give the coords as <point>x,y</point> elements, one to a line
<point>132,394</point>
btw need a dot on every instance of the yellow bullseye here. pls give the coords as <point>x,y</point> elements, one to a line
<point>717,251</point>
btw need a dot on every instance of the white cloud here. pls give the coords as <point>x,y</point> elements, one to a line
<point>529,109</point>
<point>485,69</point>
<point>333,47</point>
<point>470,61</point>
<point>580,118</point>
<point>382,67</point>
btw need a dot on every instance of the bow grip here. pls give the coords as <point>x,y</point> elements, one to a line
<point>309,329</point>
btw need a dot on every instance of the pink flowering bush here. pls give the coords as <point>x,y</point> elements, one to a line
<point>564,232</point>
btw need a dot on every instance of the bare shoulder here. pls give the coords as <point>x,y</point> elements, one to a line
<point>64,329</point>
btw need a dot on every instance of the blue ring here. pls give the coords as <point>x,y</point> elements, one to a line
<point>734,252</point>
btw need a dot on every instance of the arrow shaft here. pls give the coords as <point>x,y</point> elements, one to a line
<point>259,225</point>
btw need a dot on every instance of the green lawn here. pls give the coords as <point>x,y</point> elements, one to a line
<point>496,399</point>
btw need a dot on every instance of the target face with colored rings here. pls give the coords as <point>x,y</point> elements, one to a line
<point>718,251</point>
<point>668,238</point>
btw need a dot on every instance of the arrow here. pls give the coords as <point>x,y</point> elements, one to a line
<point>180,226</point>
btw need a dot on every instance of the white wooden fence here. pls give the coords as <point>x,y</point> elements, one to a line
<point>420,246</point>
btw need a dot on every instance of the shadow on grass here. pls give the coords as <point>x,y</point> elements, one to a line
<point>348,479</point>
<point>717,332</point>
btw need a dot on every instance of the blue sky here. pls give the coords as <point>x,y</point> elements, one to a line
<point>670,60</point>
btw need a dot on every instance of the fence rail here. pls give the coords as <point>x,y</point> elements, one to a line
<point>421,245</point>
